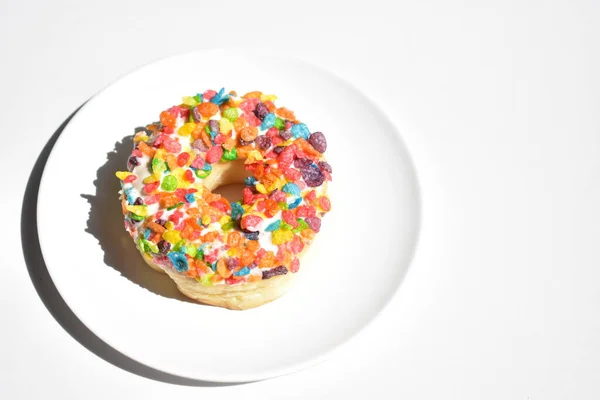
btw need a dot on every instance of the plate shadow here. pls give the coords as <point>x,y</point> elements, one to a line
<point>101,226</point>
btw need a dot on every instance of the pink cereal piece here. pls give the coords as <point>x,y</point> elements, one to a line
<point>152,200</point>
<point>172,146</point>
<point>276,140</point>
<point>249,105</point>
<point>137,153</point>
<point>197,163</point>
<point>209,94</point>
<point>295,265</point>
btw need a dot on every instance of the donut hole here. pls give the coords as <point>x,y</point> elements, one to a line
<point>227,179</point>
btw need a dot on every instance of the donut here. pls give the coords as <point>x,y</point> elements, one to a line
<point>236,255</point>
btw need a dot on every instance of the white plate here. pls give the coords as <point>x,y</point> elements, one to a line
<point>351,272</point>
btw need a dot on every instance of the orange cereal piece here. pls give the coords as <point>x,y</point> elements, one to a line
<point>210,237</point>
<point>270,106</point>
<point>191,222</point>
<point>243,151</point>
<point>249,133</point>
<point>169,200</point>
<point>171,161</point>
<point>247,257</point>
<point>252,245</point>
<point>222,269</point>
<point>147,150</point>
<point>154,227</point>
<point>267,261</point>
<point>307,148</point>
<point>229,144</point>
<point>205,138</point>
<point>187,232</point>
<point>285,113</point>
<point>216,278</point>
<point>252,95</point>
<point>254,278</point>
<point>197,131</point>
<point>308,234</point>
<point>234,239</point>
<point>207,109</point>
<point>202,267</point>
<point>193,212</point>
<point>240,124</point>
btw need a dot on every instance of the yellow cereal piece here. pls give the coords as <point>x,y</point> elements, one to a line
<point>142,211</point>
<point>266,97</point>
<point>122,175</point>
<point>261,188</point>
<point>186,129</point>
<point>253,156</point>
<point>160,154</point>
<point>182,182</point>
<point>206,220</point>
<point>225,126</point>
<point>169,225</point>
<point>281,236</point>
<point>224,219</point>
<point>151,179</point>
<point>189,101</point>
<point>140,138</point>
<point>172,236</point>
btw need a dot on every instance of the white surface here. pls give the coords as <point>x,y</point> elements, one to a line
<point>497,102</point>
<point>338,291</point>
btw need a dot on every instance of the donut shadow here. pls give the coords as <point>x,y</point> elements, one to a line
<point>105,223</point>
<point>53,301</point>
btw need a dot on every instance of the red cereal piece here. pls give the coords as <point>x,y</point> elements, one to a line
<point>180,193</point>
<point>278,196</point>
<point>151,187</point>
<point>277,140</point>
<point>130,179</point>
<point>249,105</point>
<point>296,244</point>
<point>171,145</point>
<point>214,154</point>
<point>183,158</point>
<point>152,199</point>
<point>169,129</point>
<point>324,203</point>
<point>272,132</point>
<point>250,221</point>
<point>260,206</point>
<point>197,163</point>
<point>312,195</point>
<point>137,153</point>
<point>189,176</point>
<point>289,217</point>
<point>305,211</point>
<point>286,158</point>
<point>209,94</point>
<point>159,214</point>
<point>261,253</point>
<point>247,196</point>
<point>295,265</point>
<point>220,138</point>
<point>292,174</point>
<point>219,205</point>
<point>252,120</point>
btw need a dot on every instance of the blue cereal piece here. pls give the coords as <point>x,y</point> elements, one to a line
<point>300,131</point>
<point>295,203</point>
<point>268,122</point>
<point>242,272</point>
<point>273,226</point>
<point>130,196</point>
<point>147,234</point>
<point>207,167</point>
<point>190,198</point>
<point>236,211</point>
<point>291,188</point>
<point>179,261</point>
<point>220,97</point>
<point>250,181</point>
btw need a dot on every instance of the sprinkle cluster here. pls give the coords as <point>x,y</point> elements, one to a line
<point>180,224</point>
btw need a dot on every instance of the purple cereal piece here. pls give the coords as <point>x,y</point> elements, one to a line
<point>164,247</point>
<point>263,142</point>
<point>318,141</point>
<point>313,223</point>
<point>281,270</point>
<point>285,135</point>
<point>302,163</point>
<point>232,263</point>
<point>261,111</point>
<point>324,165</point>
<point>312,176</point>
<point>196,114</point>
<point>199,145</point>
<point>214,125</point>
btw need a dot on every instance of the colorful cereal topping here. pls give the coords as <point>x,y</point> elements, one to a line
<point>181,225</point>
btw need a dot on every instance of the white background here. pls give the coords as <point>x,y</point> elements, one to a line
<point>498,103</point>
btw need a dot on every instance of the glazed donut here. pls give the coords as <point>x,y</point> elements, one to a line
<point>237,255</point>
